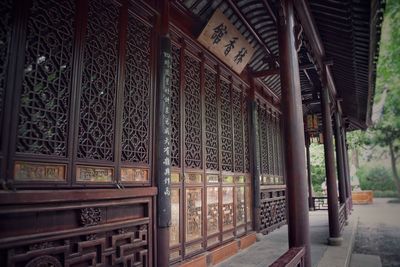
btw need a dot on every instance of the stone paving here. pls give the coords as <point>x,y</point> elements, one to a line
<point>376,229</point>
<point>378,234</point>
<point>272,246</point>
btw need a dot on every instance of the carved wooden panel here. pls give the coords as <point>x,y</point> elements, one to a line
<point>238,130</point>
<point>174,229</point>
<point>246,141</point>
<point>194,217</point>
<point>227,208</point>
<point>86,232</point>
<point>137,93</point>
<point>226,126</point>
<point>176,108</point>
<point>97,106</point>
<point>272,210</point>
<point>125,245</point>
<point>212,210</point>
<point>46,87</point>
<point>240,205</point>
<point>264,139</point>
<point>193,151</point>
<point>211,120</point>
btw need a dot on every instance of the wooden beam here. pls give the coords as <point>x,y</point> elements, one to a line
<point>250,28</point>
<point>309,27</point>
<point>265,73</point>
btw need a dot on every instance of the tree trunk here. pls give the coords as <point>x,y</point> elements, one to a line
<point>394,169</point>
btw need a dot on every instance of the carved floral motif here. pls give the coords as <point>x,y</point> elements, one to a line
<point>90,216</point>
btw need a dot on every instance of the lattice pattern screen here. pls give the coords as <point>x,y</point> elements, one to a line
<point>84,104</point>
<point>211,120</point>
<point>226,126</point>
<point>5,38</point>
<point>270,145</point>
<point>137,96</point>
<point>193,155</point>
<point>46,87</point>
<point>176,108</point>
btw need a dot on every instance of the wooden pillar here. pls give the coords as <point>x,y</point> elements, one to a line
<point>347,165</point>
<point>163,139</point>
<point>296,179</point>
<point>340,162</point>
<point>309,178</point>
<point>333,207</point>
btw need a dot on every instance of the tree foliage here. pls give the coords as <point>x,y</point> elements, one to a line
<point>385,132</point>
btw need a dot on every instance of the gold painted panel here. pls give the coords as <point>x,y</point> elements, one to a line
<point>175,214</point>
<point>193,213</point>
<point>248,204</point>
<point>227,179</point>
<point>39,171</point>
<point>212,179</point>
<point>240,179</point>
<point>193,178</point>
<point>94,174</point>
<point>175,177</point>
<point>134,175</point>
<point>227,207</point>
<point>240,207</point>
<point>212,210</point>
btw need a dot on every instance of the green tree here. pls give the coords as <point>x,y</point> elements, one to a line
<point>386,131</point>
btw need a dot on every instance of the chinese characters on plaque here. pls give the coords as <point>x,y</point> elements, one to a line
<point>222,38</point>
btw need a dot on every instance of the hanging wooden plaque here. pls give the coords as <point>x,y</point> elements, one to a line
<point>222,38</point>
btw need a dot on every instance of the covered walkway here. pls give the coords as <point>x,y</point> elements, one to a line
<point>270,247</point>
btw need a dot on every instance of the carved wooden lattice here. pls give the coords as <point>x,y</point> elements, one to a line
<point>193,155</point>
<point>137,95</point>
<point>46,87</point>
<point>272,210</point>
<point>237,130</point>
<point>175,108</point>
<point>97,109</point>
<point>246,140</point>
<point>211,120</point>
<point>124,246</point>
<point>226,126</point>
<point>264,139</point>
<point>5,38</point>
<point>270,134</point>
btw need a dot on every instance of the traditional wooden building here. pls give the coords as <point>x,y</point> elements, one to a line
<point>144,133</point>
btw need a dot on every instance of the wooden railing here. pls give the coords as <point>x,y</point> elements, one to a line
<point>342,216</point>
<point>320,203</point>
<point>272,210</point>
<point>294,257</point>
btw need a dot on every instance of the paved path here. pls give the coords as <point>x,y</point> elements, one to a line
<point>378,231</point>
<point>272,246</point>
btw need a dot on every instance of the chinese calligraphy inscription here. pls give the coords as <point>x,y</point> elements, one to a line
<point>222,38</point>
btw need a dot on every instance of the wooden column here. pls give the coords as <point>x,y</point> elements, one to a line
<point>309,178</point>
<point>339,159</point>
<point>255,148</point>
<point>340,162</point>
<point>333,207</point>
<point>347,168</point>
<point>293,132</point>
<point>163,139</point>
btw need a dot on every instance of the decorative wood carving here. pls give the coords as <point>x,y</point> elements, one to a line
<point>44,261</point>
<point>90,216</point>
<point>108,247</point>
<point>272,210</point>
